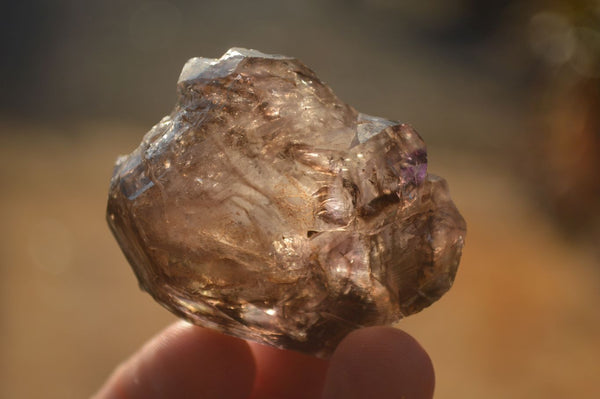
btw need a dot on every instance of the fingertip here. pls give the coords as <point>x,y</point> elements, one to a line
<point>379,362</point>
<point>287,374</point>
<point>185,361</point>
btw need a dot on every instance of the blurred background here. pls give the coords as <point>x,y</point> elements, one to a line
<point>505,93</point>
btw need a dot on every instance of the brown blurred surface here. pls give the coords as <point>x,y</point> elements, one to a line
<point>522,320</point>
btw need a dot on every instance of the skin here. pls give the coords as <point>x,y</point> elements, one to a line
<point>186,361</point>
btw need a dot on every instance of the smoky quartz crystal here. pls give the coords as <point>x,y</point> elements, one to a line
<point>266,208</point>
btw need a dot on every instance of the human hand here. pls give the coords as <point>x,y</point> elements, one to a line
<point>186,361</point>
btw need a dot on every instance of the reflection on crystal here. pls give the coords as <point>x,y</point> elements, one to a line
<point>268,209</point>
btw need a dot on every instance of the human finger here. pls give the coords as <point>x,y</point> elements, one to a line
<point>185,361</point>
<point>379,362</point>
<point>287,374</point>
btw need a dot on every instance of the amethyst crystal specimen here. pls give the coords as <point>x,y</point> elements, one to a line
<point>266,208</point>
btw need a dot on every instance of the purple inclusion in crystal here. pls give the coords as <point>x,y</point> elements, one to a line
<point>416,169</point>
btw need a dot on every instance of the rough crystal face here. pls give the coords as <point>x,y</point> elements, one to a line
<point>266,208</point>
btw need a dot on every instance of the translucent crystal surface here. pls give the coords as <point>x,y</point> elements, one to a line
<point>266,208</point>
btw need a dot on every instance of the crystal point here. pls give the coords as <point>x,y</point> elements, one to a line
<point>267,208</point>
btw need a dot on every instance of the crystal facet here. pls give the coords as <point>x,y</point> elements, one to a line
<point>266,208</point>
